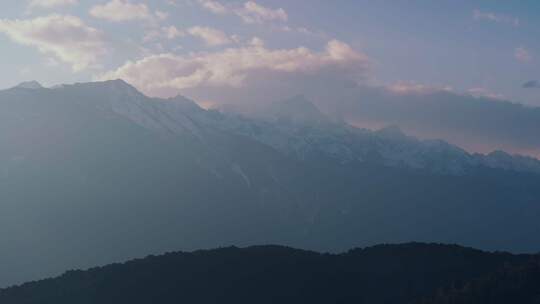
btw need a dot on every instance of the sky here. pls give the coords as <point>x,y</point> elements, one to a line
<point>169,47</point>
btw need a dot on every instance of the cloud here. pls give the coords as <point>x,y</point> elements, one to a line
<point>214,6</point>
<point>408,88</point>
<point>532,84</point>
<point>246,67</point>
<point>250,12</point>
<point>489,16</point>
<point>210,36</point>
<point>51,3</point>
<point>123,10</point>
<point>166,32</point>
<point>522,54</point>
<point>67,38</point>
<point>256,13</point>
<point>483,92</point>
<point>161,15</point>
<point>473,120</point>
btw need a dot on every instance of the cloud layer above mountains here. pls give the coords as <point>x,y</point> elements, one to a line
<point>236,67</point>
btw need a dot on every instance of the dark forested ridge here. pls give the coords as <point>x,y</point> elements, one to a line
<point>512,284</point>
<point>405,273</point>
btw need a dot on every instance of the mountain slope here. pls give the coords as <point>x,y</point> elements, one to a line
<point>95,173</point>
<point>270,274</point>
<point>76,175</point>
<point>296,127</point>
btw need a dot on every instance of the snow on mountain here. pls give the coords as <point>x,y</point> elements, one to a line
<point>297,128</point>
<point>29,85</point>
<point>117,96</point>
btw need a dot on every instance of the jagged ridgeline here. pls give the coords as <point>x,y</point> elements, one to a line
<point>408,273</point>
<point>95,173</point>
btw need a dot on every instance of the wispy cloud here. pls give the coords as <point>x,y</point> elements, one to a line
<point>214,6</point>
<point>485,93</point>
<point>408,88</point>
<point>256,13</point>
<point>51,3</point>
<point>522,54</point>
<point>67,38</point>
<point>249,12</point>
<point>210,36</point>
<point>165,32</point>
<point>493,17</point>
<point>124,10</point>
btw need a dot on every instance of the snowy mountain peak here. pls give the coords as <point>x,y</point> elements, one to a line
<point>29,85</point>
<point>120,86</point>
<point>109,88</point>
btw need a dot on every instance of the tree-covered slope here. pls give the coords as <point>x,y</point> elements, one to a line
<point>270,274</point>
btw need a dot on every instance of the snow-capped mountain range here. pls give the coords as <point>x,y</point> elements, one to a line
<point>100,165</point>
<point>297,128</point>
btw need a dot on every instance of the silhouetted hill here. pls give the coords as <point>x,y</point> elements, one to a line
<point>271,274</point>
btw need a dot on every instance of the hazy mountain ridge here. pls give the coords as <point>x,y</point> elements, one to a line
<point>474,122</point>
<point>266,274</point>
<point>296,127</point>
<point>99,165</point>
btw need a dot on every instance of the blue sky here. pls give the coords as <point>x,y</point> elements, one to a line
<point>487,48</point>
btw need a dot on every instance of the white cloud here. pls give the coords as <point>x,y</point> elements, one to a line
<point>522,54</point>
<point>172,32</point>
<point>249,12</point>
<point>65,37</point>
<point>51,3</point>
<point>256,42</point>
<point>167,74</point>
<point>483,92</point>
<point>211,36</point>
<point>408,88</point>
<point>256,13</point>
<point>122,10</point>
<point>489,16</point>
<point>166,32</point>
<point>414,88</point>
<point>214,6</point>
<point>162,15</point>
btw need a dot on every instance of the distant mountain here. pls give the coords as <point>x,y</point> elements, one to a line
<point>475,122</point>
<point>94,173</point>
<point>29,85</point>
<point>296,127</point>
<point>272,274</point>
<point>296,110</point>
